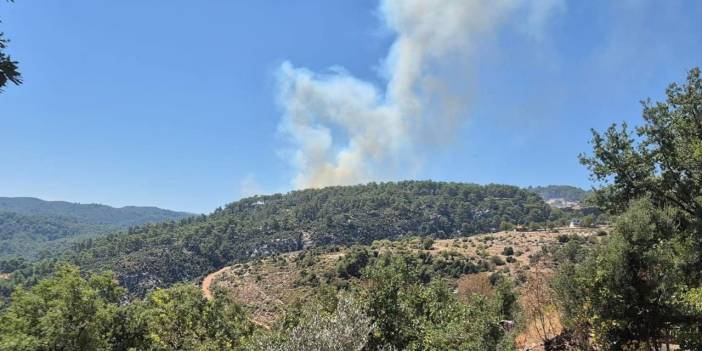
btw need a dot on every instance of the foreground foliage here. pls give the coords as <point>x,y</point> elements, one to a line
<point>396,307</point>
<point>641,288</point>
<point>68,312</point>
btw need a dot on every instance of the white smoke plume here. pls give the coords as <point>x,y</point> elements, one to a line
<point>344,130</point>
<point>249,186</point>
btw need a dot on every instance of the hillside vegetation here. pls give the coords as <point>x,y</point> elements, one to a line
<point>397,309</point>
<point>121,217</point>
<point>162,254</point>
<point>267,287</point>
<point>29,226</point>
<point>30,236</point>
<point>412,294</point>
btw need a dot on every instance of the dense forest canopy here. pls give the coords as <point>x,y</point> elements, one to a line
<point>31,227</point>
<point>33,236</point>
<point>121,217</point>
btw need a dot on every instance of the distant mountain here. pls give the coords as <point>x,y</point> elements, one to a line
<point>29,225</point>
<point>162,254</point>
<point>565,193</point>
<point>121,217</point>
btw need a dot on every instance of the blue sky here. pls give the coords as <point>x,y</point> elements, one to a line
<point>176,103</point>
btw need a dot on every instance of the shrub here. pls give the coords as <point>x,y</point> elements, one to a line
<point>497,260</point>
<point>495,278</point>
<point>508,251</point>
<point>352,264</point>
<point>347,328</point>
<point>427,243</point>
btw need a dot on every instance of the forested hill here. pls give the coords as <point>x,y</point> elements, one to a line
<point>29,226</point>
<point>161,254</point>
<point>121,217</point>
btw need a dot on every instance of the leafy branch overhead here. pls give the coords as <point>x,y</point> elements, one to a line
<point>9,72</point>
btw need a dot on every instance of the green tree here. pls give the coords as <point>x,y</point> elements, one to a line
<point>427,243</point>
<point>65,312</point>
<point>625,292</point>
<point>353,262</point>
<point>587,221</point>
<point>663,160</point>
<point>68,312</point>
<point>632,290</point>
<point>410,311</point>
<point>506,226</point>
<point>180,318</point>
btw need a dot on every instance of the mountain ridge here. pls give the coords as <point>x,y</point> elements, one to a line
<point>36,206</point>
<point>30,227</point>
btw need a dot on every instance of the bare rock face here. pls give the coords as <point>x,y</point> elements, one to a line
<point>306,240</point>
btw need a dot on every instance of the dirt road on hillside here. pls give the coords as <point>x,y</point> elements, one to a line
<point>206,290</point>
<point>209,279</point>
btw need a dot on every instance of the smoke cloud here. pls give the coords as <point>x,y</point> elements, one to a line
<point>343,130</point>
<point>249,186</point>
